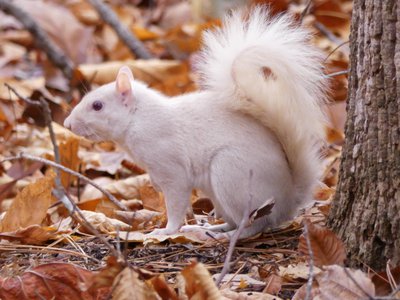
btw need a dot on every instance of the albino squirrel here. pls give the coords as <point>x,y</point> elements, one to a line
<point>258,111</point>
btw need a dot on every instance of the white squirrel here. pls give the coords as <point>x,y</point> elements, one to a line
<point>259,111</point>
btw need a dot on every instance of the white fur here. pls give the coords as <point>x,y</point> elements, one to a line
<point>241,122</point>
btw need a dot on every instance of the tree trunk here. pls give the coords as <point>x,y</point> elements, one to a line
<point>366,208</point>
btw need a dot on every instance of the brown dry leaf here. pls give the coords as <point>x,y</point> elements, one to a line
<point>24,87</point>
<point>106,276</point>
<point>107,72</point>
<point>199,283</point>
<point>49,281</point>
<point>103,223</point>
<point>30,206</point>
<point>338,283</point>
<point>84,12</point>
<point>202,205</point>
<point>141,219</point>
<point>128,188</point>
<point>323,193</point>
<point>10,52</point>
<point>178,238</point>
<point>331,14</point>
<point>327,248</point>
<point>75,39</point>
<point>382,283</point>
<point>69,158</point>
<point>298,271</point>
<point>31,235</point>
<point>301,293</point>
<point>128,286</point>
<point>143,34</point>
<point>138,187</point>
<point>162,288</point>
<point>168,76</point>
<point>274,284</point>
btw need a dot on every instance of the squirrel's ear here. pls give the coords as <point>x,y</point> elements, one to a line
<point>123,84</point>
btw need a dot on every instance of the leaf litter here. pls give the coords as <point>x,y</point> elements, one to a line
<point>46,253</point>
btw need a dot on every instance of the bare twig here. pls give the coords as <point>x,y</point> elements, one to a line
<point>41,39</point>
<point>305,11</point>
<point>311,263</point>
<point>42,103</point>
<point>65,169</point>
<point>108,15</point>
<point>336,48</point>
<point>329,35</point>
<point>344,72</point>
<point>71,206</point>
<point>243,223</point>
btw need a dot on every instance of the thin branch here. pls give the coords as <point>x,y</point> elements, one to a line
<point>305,11</point>
<point>41,39</point>
<point>344,72</point>
<point>109,16</point>
<point>232,243</point>
<point>67,170</point>
<point>329,34</point>
<point>75,212</point>
<point>311,263</point>
<point>334,50</point>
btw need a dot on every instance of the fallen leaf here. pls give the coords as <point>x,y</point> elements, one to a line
<point>31,235</point>
<point>75,40</point>
<point>326,247</point>
<point>104,224</point>
<point>383,285</point>
<point>273,284</point>
<point>49,281</point>
<point>178,238</point>
<point>30,206</point>
<point>301,293</point>
<point>298,271</point>
<point>106,276</point>
<point>69,158</point>
<point>337,282</point>
<point>141,219</point>
<point>128,286</point>
<point>162,288</point>
<point>199,283</point>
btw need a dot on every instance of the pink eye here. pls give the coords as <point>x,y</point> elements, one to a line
<point>97,105</point>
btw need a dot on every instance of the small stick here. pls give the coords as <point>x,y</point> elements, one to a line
<point>311,262</point>
<point>41,39</point>
<point>67,170</point>
<point>109,16</point>
<point>305,11</point>
<point>232,243</point>
<point>345,72</point>
<point>330,35</point>
<point>334,50</point>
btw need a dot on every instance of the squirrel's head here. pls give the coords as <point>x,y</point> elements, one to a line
<point>101,114</point>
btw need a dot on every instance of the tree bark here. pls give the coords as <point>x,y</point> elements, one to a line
<point>366,208</point>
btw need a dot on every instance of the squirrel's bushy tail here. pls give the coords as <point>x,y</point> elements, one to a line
<point>265,67</point>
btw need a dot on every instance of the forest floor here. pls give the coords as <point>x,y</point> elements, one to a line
<point>96,248</point>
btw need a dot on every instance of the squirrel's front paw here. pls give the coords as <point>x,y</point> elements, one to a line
<point>162,231</point>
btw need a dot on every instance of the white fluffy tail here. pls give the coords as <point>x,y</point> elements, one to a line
<point>265,67</point>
